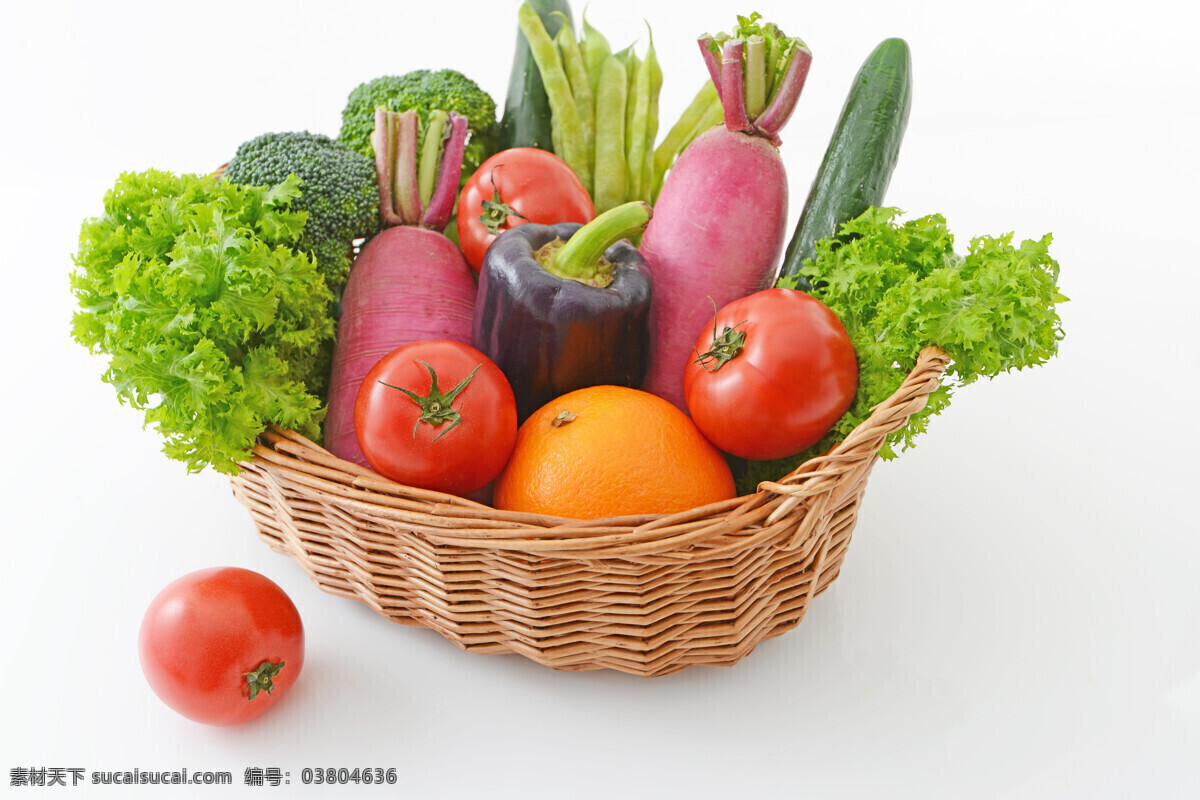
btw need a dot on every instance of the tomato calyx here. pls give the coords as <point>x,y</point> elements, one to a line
<point>436,407</point>
<point>261,679</point>
<point>725,347</point>
<point>495,211</point>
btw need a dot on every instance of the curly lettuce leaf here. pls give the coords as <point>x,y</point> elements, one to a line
<point>214,324</point>
<point>898,287</point>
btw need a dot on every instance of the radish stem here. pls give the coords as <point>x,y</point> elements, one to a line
<point>711,60</point>
<point>756,75</point>
<point>786,95</point>
<point>407,177</point>
<point>384,145</point>
<point>445,192</point>
<point>405,127</point>
<point>431,152</point>
<point>733,89</point>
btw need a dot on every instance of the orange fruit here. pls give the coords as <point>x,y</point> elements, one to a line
<point>610,451</point>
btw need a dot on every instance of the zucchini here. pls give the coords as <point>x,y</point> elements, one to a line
<point>858,163</point>
<point>526,118</point>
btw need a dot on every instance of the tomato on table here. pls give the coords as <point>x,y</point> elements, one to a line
<point>436,414</point>
<point>222,645</point>
<point>515,186</point>
<point>772,372</point>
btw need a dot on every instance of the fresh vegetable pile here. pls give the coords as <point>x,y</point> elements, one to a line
<point>612,309</point>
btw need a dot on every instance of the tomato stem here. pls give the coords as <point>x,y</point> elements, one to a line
<point>495,211</point>
<point>261,679</point>
<point>725,347</point>
<point>436,407</point>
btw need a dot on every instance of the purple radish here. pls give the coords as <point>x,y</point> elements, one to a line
<point>409,282</point>
<point>720,221</point>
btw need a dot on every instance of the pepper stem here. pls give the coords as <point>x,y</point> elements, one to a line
<point>581,256</point>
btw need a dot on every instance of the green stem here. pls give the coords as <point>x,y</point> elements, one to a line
<point>431,155</point>
<point>756,75</point>
<point>726,346</point>
<point>495,211</point>
<point>436,408</point>
<point>582,254</point>
<point>261,679</point>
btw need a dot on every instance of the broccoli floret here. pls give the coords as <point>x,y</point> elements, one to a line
<point>338,190</point>
<point>423,91</point>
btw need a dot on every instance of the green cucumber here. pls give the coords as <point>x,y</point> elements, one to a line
<point>862,153</point>
<point>526,118</point>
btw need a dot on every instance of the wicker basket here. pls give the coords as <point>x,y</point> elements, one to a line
<point>648,595</point>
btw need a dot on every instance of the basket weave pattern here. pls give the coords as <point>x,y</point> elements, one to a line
<point>645,595</point>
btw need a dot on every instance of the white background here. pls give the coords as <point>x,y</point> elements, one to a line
<point>1018,615</point>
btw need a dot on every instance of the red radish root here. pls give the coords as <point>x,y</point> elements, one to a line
<point>720,221</point>
<point>409,282</point>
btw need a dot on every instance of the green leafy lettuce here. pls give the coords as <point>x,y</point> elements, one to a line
<point>214,324</point>
<point>898,287</point>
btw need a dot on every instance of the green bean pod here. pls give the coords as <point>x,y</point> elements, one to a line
<point>654,81</point>
<point>526,119</point>
<point>567,126</point>
<point>637,107</point>
<point>581,84</point>
<point>595,49</point>
<point>611,182</point>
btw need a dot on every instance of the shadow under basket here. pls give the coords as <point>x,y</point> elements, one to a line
<point>644,595</point>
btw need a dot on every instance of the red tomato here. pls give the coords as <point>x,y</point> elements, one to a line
<point>437,415</point>
<point>515,186</point>
<point>221,645</point>
<point>780,388</point>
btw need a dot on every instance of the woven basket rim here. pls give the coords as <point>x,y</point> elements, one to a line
<point>786,509</point>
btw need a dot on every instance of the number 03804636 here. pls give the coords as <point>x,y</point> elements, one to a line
<point>342,775</point>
